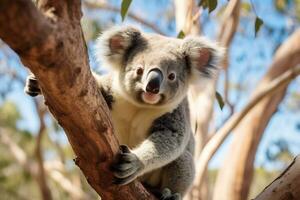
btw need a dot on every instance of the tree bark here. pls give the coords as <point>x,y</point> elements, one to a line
<point>234,179</point>
<point>286,186</point>
<point>50,43</point>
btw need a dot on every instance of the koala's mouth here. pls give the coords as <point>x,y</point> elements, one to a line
<point>151,98</point>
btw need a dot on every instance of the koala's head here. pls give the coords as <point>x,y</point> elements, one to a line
<point>155,71</point>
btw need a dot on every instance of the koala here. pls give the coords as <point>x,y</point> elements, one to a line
<point>146,91</point>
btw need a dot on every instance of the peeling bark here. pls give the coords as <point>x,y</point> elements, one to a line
<point>50,42</point>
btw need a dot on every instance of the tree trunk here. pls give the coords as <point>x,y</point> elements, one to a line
<point>205,98</point>
<point>234,179</point>
<point>286,186</point>
<point>49,41</point>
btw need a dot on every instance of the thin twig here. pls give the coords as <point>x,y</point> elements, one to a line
<point>105,6</point>
<point>46,193</point>
<point>31,167</point>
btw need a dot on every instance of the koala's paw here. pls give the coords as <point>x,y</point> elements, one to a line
<point>167,195</point>
<point>32,86</point>
<point>127,166</point>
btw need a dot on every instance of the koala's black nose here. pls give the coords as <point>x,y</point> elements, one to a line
<point>154,79</point>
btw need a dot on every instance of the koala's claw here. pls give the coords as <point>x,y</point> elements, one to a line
<point>32,86</point>
<point>124,181</point>
<point>126,167</point>
<point>167,195</point>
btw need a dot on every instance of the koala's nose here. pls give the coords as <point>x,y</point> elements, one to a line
<point>154,79</point>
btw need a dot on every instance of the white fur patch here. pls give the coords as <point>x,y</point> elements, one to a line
<point>131,122</point>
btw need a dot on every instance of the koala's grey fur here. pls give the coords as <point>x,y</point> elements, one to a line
<point>154,128</point>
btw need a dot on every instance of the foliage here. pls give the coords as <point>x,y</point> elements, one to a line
<point>220,100</point>
<point>9,115</point>
<point>210,4</point>
<point>124,8</point>
<point>181,35</point>
<point>289,7</point>
<point>258,23</point>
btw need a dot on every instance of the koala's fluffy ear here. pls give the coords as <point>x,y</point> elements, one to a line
<point>113,45</point>
<point>203,57</point>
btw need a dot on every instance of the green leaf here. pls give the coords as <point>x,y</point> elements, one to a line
<point>203,3</point>
<point>258,23</point>
<point>212,4</point>
<point>181,35</point>
<point>281,5</point>
<point>220,100</point>
<point>246,7</point>
<point>124,8</point>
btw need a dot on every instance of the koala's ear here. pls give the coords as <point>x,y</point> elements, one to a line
<point>113,45</point>
<point>203,56</point>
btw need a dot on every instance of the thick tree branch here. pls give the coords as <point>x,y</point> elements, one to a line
<point>30,32</point>
<point>215,142</point>
<point>53,48</point>
<point>285,186</point>
<point>234,179</point>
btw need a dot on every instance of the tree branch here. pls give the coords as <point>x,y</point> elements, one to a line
<point>186,20</point>
<point>285,186</point>
<point>235,183</point>
<point>31,167</point>
<point>205,99</point>
<point>53,48</point>
<point>30,32</point>
<point>228,28</point>
<point>215,142</point>
<point>94,4</point>
<point>46,193</point>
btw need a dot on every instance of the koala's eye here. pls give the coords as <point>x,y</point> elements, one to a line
<point>139,71</point>
<point>172,76</point>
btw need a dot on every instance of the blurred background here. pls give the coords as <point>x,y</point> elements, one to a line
<point>36,161</point>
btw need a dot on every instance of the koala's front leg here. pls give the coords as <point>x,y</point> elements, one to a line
<point>126,167</point>
<point>32,87</point>
<point>168,138</point>
<point>167,141</point>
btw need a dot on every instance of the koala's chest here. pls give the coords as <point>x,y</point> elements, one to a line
<point>132,123</point>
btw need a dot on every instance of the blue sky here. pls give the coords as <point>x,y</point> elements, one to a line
<point>249,60</point>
